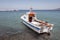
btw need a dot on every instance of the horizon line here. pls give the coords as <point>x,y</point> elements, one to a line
<point>27,9</point>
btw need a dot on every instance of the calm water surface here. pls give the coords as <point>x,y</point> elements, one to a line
<point>10,22</point>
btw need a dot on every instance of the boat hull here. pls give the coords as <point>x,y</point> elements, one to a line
<point>32,27</point>
<point>38,29</point>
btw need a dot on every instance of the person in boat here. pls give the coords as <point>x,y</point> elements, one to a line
<point>39,21</point>
<point>31,15</point>
<point>45,23</point>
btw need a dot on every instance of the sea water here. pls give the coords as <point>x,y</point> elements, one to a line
<point>10,21</point>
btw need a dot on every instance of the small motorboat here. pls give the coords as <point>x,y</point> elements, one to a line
<point>30,20</point>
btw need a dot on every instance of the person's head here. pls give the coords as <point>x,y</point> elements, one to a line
<point>46,22</point>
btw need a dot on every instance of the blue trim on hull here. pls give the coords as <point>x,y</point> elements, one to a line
<point>32,25</point>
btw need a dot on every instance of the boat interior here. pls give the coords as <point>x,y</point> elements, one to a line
<point>32,18</point>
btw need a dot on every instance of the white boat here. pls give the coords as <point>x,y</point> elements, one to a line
<point>30,20</point>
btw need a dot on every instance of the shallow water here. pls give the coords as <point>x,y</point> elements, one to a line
<point>10,23</point>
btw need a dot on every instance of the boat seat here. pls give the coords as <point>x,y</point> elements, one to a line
<point>35,23</point>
